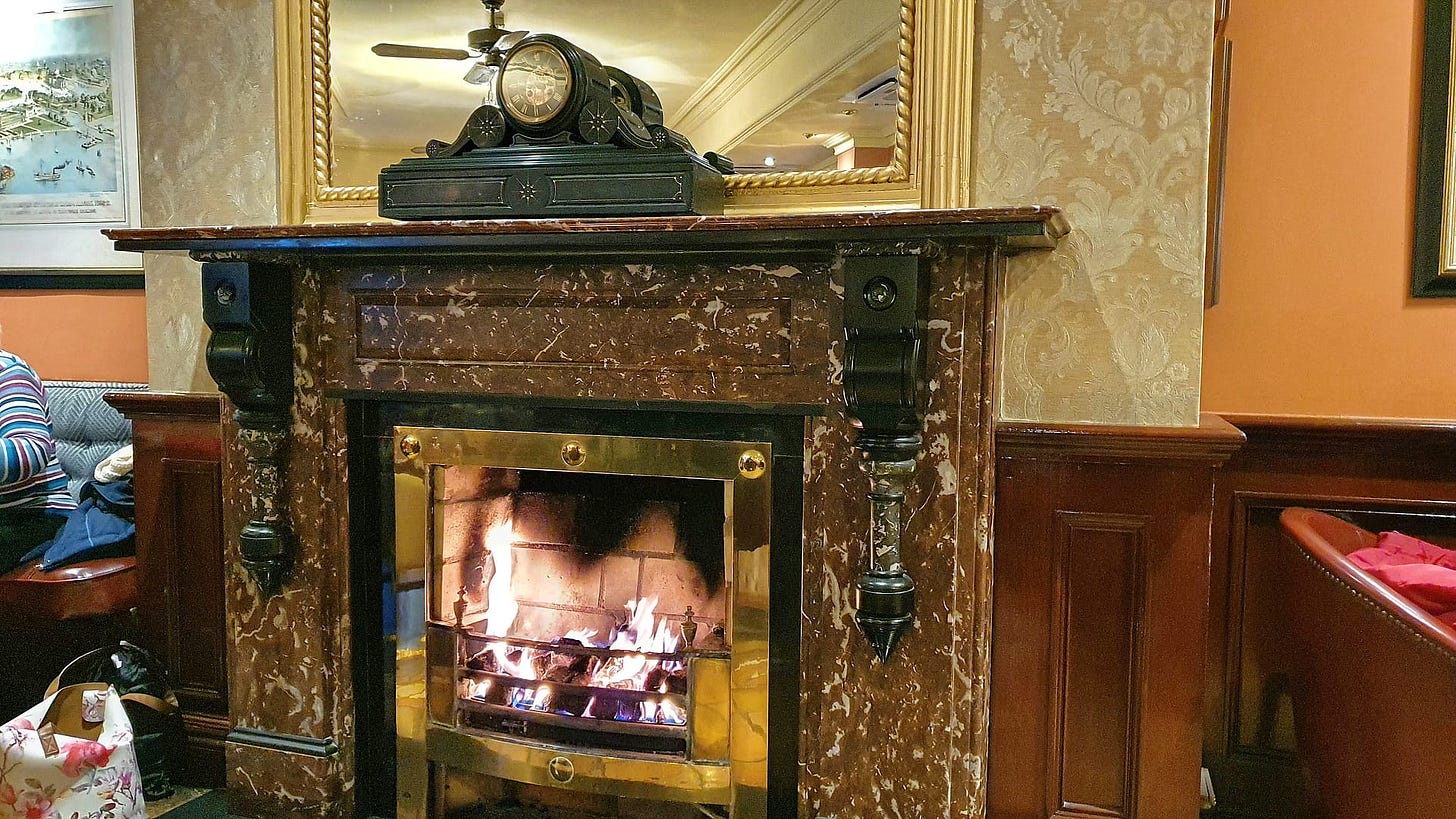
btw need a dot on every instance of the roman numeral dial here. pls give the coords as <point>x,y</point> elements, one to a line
<point>535,83</point>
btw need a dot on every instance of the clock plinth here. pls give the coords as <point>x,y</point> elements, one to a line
<point>558,180</point>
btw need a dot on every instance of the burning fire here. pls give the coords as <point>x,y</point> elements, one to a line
<point>629,670</point>
<point>501,606</point>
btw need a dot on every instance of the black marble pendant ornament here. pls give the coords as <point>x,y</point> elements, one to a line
<point>885,391</point>
<point>885,608</point>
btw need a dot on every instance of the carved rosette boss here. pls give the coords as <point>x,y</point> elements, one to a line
<point>886,296</point>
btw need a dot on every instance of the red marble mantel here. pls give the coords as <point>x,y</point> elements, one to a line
<point>1029,225</point>
<point>904,740</point>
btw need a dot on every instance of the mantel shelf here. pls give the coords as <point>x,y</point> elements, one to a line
<point>1016,227</point>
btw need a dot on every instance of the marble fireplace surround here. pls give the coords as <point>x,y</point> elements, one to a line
<point>578,311</point>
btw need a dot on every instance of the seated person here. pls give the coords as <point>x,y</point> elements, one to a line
<point>33,495</point>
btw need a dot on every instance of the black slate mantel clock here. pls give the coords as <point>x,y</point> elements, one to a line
<point>557,134</point>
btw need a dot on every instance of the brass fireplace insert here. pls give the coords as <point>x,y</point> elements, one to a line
<point>583,612</point>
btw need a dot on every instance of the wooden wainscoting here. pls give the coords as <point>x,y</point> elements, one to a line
<point>177,476</point>
<point>1384,475</point>
<point>1100,601</point>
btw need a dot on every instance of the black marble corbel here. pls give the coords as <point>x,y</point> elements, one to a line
<point>249,309</point>
<point>886,292</point>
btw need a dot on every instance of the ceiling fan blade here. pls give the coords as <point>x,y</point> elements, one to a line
<point>510,39</point>
<point>420,52</point>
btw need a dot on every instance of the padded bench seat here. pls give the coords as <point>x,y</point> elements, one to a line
<point>92,588</point>
<point>86,430</point>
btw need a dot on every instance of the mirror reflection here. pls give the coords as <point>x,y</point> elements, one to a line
<point>777,85</point>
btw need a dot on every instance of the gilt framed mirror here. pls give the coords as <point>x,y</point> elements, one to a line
<point>1433,272</point>
<point>821,104</point>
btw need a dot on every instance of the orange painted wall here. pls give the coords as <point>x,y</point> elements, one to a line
<point>1314,314</point>
<point>91,335</point>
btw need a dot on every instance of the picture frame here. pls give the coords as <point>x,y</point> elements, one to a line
<point>1433,256</point>
<point>68,144</point>
<point>1223,57</point>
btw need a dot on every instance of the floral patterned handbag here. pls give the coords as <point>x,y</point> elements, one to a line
<point>71,757</point>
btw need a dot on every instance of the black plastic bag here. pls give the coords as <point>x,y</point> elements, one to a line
<point>156,721</point>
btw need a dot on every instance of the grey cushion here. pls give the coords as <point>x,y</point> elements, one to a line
<point>85,427</point>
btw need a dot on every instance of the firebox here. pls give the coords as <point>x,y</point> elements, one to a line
<point>584,612</point>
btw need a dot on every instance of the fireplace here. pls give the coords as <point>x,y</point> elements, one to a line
<point>583,612</point>
<point>847,343</point>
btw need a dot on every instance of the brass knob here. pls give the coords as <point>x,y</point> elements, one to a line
<point>409,446</point>
<point>752,464</point>
<point>573,454</point>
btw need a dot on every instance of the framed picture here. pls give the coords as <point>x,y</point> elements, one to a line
<point>1434,244</point>
<point>1223,60</point>
<point>68,144</point>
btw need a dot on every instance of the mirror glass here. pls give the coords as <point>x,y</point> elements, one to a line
<point>776,85</point>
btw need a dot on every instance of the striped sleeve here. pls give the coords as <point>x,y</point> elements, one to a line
<point>30,475</point>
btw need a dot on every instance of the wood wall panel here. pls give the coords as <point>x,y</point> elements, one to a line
<point>192,516</point>
<point>1384,474</point>
<point>1095,655</point>
<point>1100,572</point>
<point>178,482</point>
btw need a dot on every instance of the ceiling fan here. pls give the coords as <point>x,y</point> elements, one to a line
<point>485,45</point>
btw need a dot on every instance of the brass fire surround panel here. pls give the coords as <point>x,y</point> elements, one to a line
<point>742,782</point>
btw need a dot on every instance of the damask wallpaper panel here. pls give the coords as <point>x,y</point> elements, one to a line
<point>1101,107</point>
<point>205,94</point>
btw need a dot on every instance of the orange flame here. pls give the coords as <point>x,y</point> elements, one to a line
<point>644,632</point>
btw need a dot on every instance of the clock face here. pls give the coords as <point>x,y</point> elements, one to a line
<point>535,83</point>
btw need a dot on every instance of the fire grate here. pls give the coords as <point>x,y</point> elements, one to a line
<point>584,732</point>
<point>555,705</point>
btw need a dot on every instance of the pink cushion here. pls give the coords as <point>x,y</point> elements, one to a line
<point>1421,572</point>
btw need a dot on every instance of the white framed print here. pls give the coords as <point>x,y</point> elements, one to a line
<point>68,136</point>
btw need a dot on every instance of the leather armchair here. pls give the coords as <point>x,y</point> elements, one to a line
<point>1372,678</point>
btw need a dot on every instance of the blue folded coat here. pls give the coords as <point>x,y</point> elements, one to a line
<point>102,525</point>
